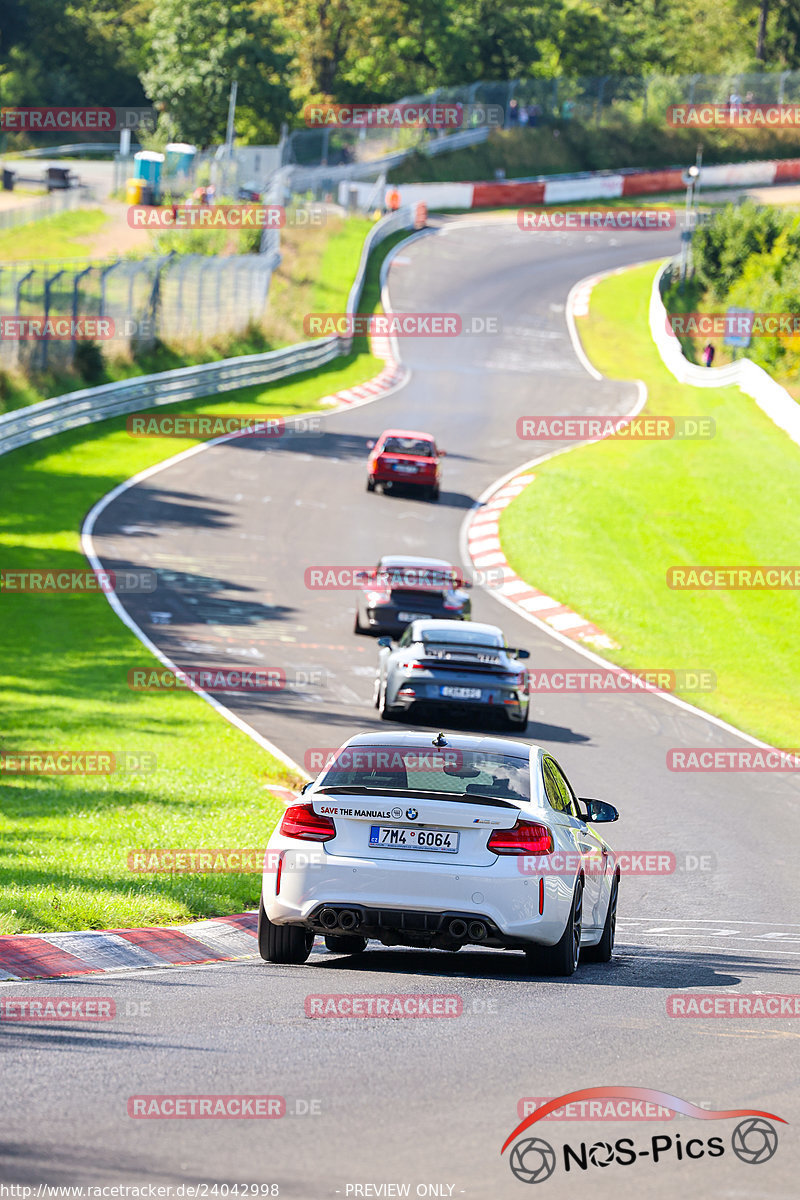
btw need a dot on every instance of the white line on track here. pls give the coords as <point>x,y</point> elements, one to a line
<point>88,547</point>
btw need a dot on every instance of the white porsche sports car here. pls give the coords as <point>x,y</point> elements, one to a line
<point>441,842</point>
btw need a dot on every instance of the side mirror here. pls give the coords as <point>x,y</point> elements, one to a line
<point>442,453</point>
<point>384,641</point>
<point>522,653</point>
<point>599,810</point>
<point>306,786</point>
<point>370,445</point>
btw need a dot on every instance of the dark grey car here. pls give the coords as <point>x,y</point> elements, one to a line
<point>463,667</point>
<point>403,588</point>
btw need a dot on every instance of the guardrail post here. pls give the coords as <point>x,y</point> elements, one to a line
<point>48,286</point>
<point>75,288</point>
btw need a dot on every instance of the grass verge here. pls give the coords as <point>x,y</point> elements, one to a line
<point>64,841</point>
<point>317,266</point>
<point>646,506</point>
<point>64,236</point>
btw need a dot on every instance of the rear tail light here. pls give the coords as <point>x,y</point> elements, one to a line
<point>527,837</point>
<point>376,598</point>
<point>452,604</point>
<point>300,821</point>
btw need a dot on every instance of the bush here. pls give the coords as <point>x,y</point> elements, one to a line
<point>89,362</point>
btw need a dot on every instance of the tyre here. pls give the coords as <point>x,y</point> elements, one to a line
<point>358,627</point>
<point>345,943</point>
<point>562,959</point>
<point>386,713</point>
<point>433,494</point>
<point>282,943</point>
<point>520,725</point>
<point>370,484</point>
<point>604,949</point>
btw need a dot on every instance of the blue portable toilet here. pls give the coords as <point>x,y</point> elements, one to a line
<point>147,165</point>
<point>180,156</point>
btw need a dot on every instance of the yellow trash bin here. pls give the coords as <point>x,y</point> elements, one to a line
<point>133,191</point>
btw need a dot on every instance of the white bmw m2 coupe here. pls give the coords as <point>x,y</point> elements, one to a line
<point>441,842</point>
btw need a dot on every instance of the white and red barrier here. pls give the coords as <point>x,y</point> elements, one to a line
<point>599,185</point>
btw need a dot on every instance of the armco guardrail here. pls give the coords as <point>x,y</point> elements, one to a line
<point>771,398</point>
<point>63,413</point>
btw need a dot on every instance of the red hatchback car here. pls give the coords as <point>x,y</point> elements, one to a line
<point>406,457</point>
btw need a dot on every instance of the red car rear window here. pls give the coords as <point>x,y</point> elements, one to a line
<point>396,445</point>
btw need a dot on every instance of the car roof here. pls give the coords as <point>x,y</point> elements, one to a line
<point>406,433</point>
<point>417,739</point>
<point>411,560</point>
<point>434,625</point>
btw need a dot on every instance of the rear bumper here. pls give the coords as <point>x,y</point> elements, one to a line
<point>415,479</point>
<point>385,620</point>
<point>498,701</point>
<point>411,904</point>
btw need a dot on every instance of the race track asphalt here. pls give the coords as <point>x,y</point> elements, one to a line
<point>429,1102</point>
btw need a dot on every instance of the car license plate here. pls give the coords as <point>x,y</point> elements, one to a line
<point>414,839</point>
<point>462,693</point>
<point>406,468</point>
<point>412,616</point>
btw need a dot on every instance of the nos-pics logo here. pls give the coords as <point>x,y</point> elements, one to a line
<point>533,1160</point>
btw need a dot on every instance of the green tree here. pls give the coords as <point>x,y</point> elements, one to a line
<point>196,51</point>
<point>55,52</point>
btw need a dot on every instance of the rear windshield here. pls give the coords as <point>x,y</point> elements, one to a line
<point>461,636</point>
<point>450,771</point>
<point>398,445</point>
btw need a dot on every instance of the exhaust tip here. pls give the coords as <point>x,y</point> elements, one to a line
<point>329,918</point>
<point>348,920</point>
<point>458,928</point>
<point>477,931</point>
